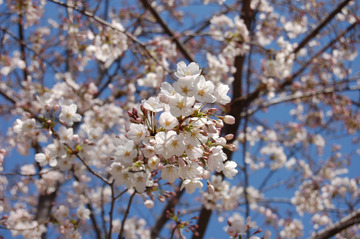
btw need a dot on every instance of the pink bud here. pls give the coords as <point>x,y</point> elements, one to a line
<point>181,162</point>
<point>76,138</point>
<point>231,147</point>
<point>219,123</point>
<point>212,128</point>
<point>211,188</point>
<point>229,137</point>
<point>149,204</point>
<point>152,142</point>
<point>228,119</point>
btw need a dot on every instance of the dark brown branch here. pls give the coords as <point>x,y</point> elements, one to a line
<point>111,210</point>
<point>168,31</point>
<point>344,223</point>
<point>235,110</point>
<point>93,221</point>
<point>22,47</point>
<point>126,215</point>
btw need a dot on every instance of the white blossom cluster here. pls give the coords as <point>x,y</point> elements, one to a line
<point>232,30</point>
<point>310,198</point>
<point>293,228</point>
<point>223,198</point>
<point>183,142</point>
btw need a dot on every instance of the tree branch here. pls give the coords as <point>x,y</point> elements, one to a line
<point>126,215</point>
<point>321,25</point>
<point>344,223</point>
<point>168,31</point>
<point>235,111</point>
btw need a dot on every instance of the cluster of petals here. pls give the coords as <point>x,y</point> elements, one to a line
<point>172,135</point>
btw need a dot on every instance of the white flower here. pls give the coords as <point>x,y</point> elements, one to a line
<point>191,171</point>
<point>183,71</point>
<point>95,134</point>
<point>66,134</point>
<point>169,173</point>
<point>61,213</point>
<point>220,93</point>
<point>230,169</point>
<point>176,145</point>
<point>153,104</point>
<point>83,213</point>
<point>203,90</point>
<point>239,227</point>
<point>216,159</point>
<point>68,113</point>
<point>153,162</point>
<point>169,144</point>
<point>168,121</point>
<point>116,169</point>
<point>185,87</point>
<point>125,151</point>
<point>46,158</point>
<point>180,105</point>
<point>166,92</point>
<point>193,152</point>
<point>66,162</point>
<point>137,132</point>
<point>231,231</point>
<point>141,180</point>
<point>191,185</point>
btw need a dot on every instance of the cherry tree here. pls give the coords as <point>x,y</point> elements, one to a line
<point>179,118</point>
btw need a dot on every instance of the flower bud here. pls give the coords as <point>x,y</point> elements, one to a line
<point>162,199</point>
<point>228,119</point>
<point>149,204</point>
<point>211,188</point>
<point>229,136</point>
<point>181,162</point>
<point>76,138</point>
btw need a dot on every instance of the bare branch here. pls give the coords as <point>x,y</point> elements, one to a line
<point>126,215</point>
<point>168,31</point>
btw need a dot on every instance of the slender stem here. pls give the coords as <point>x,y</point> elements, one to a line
<point>113,199</point>
<point>126,215</point>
